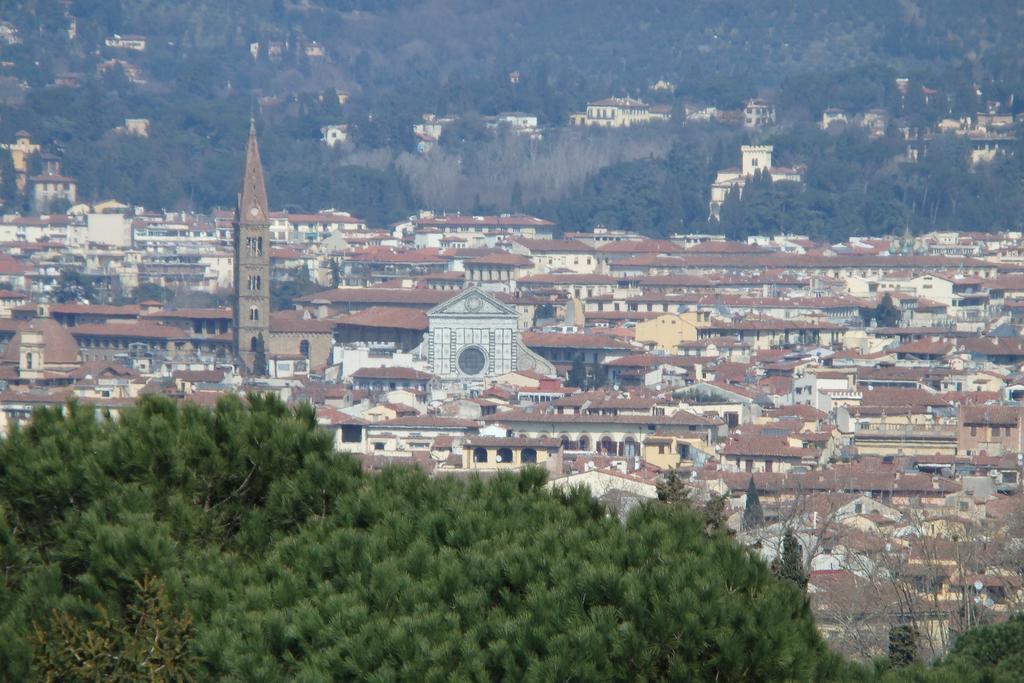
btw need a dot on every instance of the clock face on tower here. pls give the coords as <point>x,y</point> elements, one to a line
<point>254,211</point>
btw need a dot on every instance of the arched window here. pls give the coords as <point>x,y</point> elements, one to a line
<point>584,443</point>
<point>28,361</point>
<point>304,348</point>
<point>253,343</point>
<point>528,455</point>
<point>607,445</point>
<point>566,444</point>
<point>504,455</point>
<point>479,454</point>
<point>254,313</point>
<point>630,448</point>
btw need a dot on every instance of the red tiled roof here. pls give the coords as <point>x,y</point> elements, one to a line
<point>554,246</point>
<point>190,313</point>
<point>502,259</point>
<point>59,346</point>
<point>137,331</point>
<point>288,321</point>
<point>572,341</point>
<point>388,316</point>
<point>660,247</point>
<point>380,295</point>
<point>392,373</point>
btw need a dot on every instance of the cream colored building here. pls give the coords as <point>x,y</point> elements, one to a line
<point>754,159</point>
<point>615,112</point>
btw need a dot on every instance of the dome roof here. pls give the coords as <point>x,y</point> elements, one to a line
<point>59,346</point>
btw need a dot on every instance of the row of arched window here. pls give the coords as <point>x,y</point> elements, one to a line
<point>504,455</point>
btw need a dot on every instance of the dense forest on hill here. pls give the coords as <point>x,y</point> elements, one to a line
<point>400,59</point>
<point>178,542</point>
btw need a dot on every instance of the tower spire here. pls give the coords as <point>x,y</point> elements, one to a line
<point>252,200</point>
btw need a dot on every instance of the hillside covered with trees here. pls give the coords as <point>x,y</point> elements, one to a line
<point>233,543</point>
<point>207,66</point>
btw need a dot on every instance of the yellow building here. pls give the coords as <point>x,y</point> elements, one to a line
<point>497,453</point>
<point>668,331</point>
<point>21,150</point>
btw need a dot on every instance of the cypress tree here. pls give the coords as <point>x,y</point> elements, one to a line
<point>577,373</point>
<point>753,515</point>
<point>789,564</point>
<point>259,363</point>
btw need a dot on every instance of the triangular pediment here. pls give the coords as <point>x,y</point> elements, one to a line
<point>473,302</point>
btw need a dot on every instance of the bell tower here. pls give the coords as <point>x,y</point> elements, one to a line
<point>252,260</point>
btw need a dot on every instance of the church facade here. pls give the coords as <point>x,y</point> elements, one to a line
<point>474,337</point>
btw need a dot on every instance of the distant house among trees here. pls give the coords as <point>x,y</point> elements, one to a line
<point>756,160</point>
<point>617,112</point>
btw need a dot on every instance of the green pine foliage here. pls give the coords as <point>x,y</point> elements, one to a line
<point>274,558</point>
<point>903,645</point>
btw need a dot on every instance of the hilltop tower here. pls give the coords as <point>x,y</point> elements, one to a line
<point>756,158</point>
<point>252,259</point>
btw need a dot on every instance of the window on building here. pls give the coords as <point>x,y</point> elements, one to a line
<point>479,454</point>
<point>304,347</point>
<point>255,283</point>
<point>378,445</point>
<point>254,245</point>
<point>504,455</point>
<point>254,313</point>
<point>528,455</point>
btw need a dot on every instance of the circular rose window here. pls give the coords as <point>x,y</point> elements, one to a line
<point>472,361</point>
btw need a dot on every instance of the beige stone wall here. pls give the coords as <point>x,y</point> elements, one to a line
<point>320,344</point>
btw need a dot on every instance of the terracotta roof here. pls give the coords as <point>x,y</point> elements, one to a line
<point>183,313</point>
<point>990,414</point>
<point>392,373</point>
<point>554,246</point>
<point>640,247</point>
<point>332,416</point>
<point>137,331</point>
<point>380,295</point>
<point>289,322</point>
<point>428,422</point>
<point>59,346</point>
<point>388,316</point>
<point>572,341</point>
<point>501,259</point>
<point>203,376</point>
<point>885,396</point>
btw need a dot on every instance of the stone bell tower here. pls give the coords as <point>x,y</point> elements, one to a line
<point>252,259</point>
